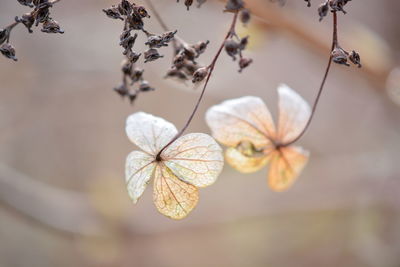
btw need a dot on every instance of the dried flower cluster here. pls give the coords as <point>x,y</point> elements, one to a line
<point>133,17</point>
<point>39,15</point>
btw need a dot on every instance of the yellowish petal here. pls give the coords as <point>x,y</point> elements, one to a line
<point>242,119</point>
<point>286,165</point>
<point>243,163</point>
<point>173,197</point>
<point>149,132</point>
<point>294,113</point>
<point>195,158</point>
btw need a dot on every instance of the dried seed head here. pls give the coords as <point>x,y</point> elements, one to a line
<point>200,74</point>
<point>355,58</point>
<point>339,56</point>
<point>127,41</point>
<point>8,51</point>
<point>125,8</point>
<point>151,55</point>
<point>244,63</point>
<point>323,10</point>
<point>135,22</point>
<point>188,3</point>
<point>245,16</point>
<point>141,12</point>
<point>51,26</point>
<point>234,5</point>
<point>113,12</point>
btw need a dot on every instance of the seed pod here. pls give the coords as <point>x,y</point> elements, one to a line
<point>200,74</point>
<point>231,48</point>
<point>151,55</point>
<point>51,26</point>
<point>355,58</point>
<point>188,3</point>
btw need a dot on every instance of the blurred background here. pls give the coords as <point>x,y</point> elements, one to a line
<point>63,200</point>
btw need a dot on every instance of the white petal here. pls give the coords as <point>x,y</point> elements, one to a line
<point>195,158</point>
<point>242,119</point>
<point>148,132</point>
<point>138,172</point>
<point>294,113</point>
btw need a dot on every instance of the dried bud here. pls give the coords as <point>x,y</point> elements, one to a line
<point>337,5</point>
<point>355,58</point>
<point>141,12</point>
<point>174,73</point>
<point>234,5</point>
<point>127,41</point>
<point>137,75</point>
<point>113,12</point>
<point>179,58</point>
<point>200,47</point>
<point>244,63</point>
<point>243,43</point>
<point>26,2</point>
<point>308,3</point>
<point>42,15</point>
<point>125,8</point>
<point>4,33</point>
<point>133,56</point>
<point>28,20</point>
<point>145,87</point>
<point>126,67</point>
<point>52,26</point>
<point>135,22</point>
<point>8,51</point>
<point>339,56</point>
<point>323,10</point>
<point>122,90</point>
<point>245,16</point>
<point>132,97</point>
<point>232,48</point>
<point>155,41</point>
<point>200,74</point>
<point>151,55</point>
<point>188,3</point>
<point>168,36</point>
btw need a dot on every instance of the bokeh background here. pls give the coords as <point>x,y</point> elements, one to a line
<point>63,201</point>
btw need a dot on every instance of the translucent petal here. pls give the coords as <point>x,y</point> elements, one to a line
<point>294,113</point>
<point>173,197</point>
<point>148,132</point>
<point>195,158</point>
<point>242,119</point>
<point>139,168</point>
<point>243,163</point>
<point>286,165</point>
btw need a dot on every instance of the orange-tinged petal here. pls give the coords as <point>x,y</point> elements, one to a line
<point>242,119</point>
<point>294,113</point>
<point>286,165</point>
<point>149,132</point>
<point>173,197</point>
<point>195,158</point>
<point>243,163</point>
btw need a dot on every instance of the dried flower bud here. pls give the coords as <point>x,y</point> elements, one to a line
<point>136,75</point>
<point>26,3</point>
<point>234,5</point>
<point>200,47</point>
<point>200,3</point>
<point>145,87</point>
<point>355,58</point>
<point>155,41</point>
<point>232,48</point>
<point>323,10</point>
<point>126,67</point>
<point>141,12</point>
<point>179,58</point>
<point>151,55</point>
<point>28,20</point>
<point>132,97</point>
<point>8,51</point>
<point>200,74</point>
<point>113,12</point>
<point>42,15</point>
<point>339,56</point>
<point>243,43</point>
<point>337,5</point>
<point>127,42</point>
<point>308,3</point>
<point>135,22</point>
<point>174,73</point>
<point>188,3</point>
<point>244,63</point>
<point>168,36</point>
<point>4,33</point>
<point>125,8</point>
<point>52,26</point>
<point>122,90</point>
<point>245,16</point>
<point>133,56</point>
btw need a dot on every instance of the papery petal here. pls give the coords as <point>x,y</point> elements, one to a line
<point>195,158</point>
<point>243,163</point>
<point>139,168</point>
<point>294,113</point>
<point>173,197</point>
<point>242,119</point>
<point>149,132</point>
<point>286,165</point>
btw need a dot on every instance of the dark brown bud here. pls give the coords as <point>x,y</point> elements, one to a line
<point>133,56</point>
<point>125,8</point>
<point>243,43</point>
<point>245,16</point>
<point>51,26</point>
<point>232,48</point>
<point>28,20</point>
<point>323,10</point>
<point>4,33</point>
<point>200,74</point>
<point>339,56</point>
<point>308,3</point>
<point>244,63</point>
<point>26,2</point>
<point>136,75</point>
<point>113,13</point>
<point>151,55</point>
<point>127,42</point>
<point>188,3</point>
<point>8,51</point>
<point>355,58</point>
<point>234,5</point>
<point>141,12</point>
<point>42,15</point>
<point>135,22</point>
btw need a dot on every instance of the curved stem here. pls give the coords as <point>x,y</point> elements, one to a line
<point>210,68</point>
<point>314,108</point>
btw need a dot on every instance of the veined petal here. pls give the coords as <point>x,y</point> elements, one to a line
<point>294,113</point>
<point>173,197</point>
<point>195,158</point>
<point>149,132</point>
<point>286,165</point>
<point>138,172</point>
<point>242,119</point>
<point>243,163</point>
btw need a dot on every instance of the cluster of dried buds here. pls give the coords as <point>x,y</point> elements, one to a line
<point>40,15</point>
<point>341,56</point>
<point>331,5</point>
<point>133,15</point>
<point>189,3</point>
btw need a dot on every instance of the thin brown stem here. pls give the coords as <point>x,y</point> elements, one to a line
<point>210,68</point>
<point>314,108</point>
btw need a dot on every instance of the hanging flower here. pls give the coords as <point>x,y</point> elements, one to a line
<point>246,127</point>
<point>193,160</point>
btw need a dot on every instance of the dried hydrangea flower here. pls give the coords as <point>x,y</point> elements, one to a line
<point>246,127</point>
<point>193,160</point>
